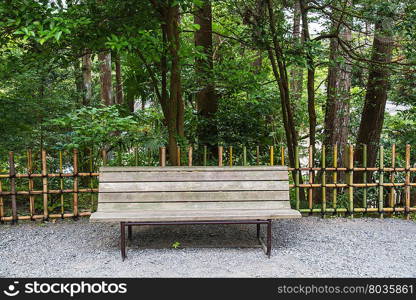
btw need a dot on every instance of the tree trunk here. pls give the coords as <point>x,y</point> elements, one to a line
<point>105,78</point>
<point>87,79</point>
<point>372,116</point>
<point>119,82</point>
<point>206,99</point>
<point>296,73</point>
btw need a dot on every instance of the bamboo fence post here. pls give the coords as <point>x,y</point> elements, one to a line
<point>75,192</point>
<point>31,183</point>
<point>244,156</point>
<point>61,183</point>
<point>393,165</point>
<point>104,155</point>
<point>310,190</point>
<point>178,153</point>
<point>205,155</point>
<point>258,155</point>
<point>136,156</point>
<point>190,156</point>
<point>91,182</point>
<point>351,180</point>
<point>407,183</point>
<point>282,153</point>
<point>220,149</point>
<point>271,155</point>
<point>45,186</point>
<point>323,181</point>
<point>12,175</point>
<point>380,183</point>
<point>230,153</point>
<point>162,157</point>
<point>297,196</point>
<point>334,176</point>
<point>365,176</point>
<point>1,204</point>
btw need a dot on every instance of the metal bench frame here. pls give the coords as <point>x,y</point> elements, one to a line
<point>267,248</point>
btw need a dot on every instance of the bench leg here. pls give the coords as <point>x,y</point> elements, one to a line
<point>258,231</point>
<point>129,232</point>
<point>269,238</point>
<point>123,240</point>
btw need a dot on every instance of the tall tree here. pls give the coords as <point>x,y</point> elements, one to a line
<point>372,116</point>
<point>104,58</point>
<point>86,79</point>
<point>119,81</point>
<point>296,72</point>
<point>206,98</point>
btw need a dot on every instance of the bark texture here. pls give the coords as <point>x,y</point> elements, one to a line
<point>105,78</point>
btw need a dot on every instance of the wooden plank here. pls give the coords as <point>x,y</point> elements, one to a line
<point>194,196</point>
<point>106,206</point>
<point>192,176</point>
<point>194,186</point>
<point>206,215</point>
<point>194,168</point>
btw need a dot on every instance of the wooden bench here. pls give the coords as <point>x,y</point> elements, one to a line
<point>193,195</point>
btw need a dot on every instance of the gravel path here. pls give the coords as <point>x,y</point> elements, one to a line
<point>309,247</point>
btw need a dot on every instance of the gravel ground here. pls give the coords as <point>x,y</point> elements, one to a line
<point>307,247</point>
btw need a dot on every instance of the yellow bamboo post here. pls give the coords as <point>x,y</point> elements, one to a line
<point>45,186</point>
<point>393,165</point>
<point>258,155</point>
<point>282,155</point>
<point>407,183</point>
<point>323,163</point>
<point>1,204</point>
<point>297,177</point>
<point>190,156</point>
<point>75,189</point>
<point>271,155</point>
<point>12,175</point>
<point>381,183</point>
<point>334,176</point>
<point>163,156</point>
<point>310,190</point>
<point>351,180</point>
<point>220,149</point>
<point>178,153</point>
<point>31,183</point>
<point>91,182</point>
<point>365,176</point>
<point>61,181</point>
<point>230,153</point>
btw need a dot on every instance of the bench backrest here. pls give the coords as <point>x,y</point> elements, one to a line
<point>188,188</point>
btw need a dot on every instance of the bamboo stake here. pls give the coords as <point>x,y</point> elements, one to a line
<point>178,153</point>
<point>205,155</point>
<point>190,156</point>
<point>365,175</point>
<point>220,149</point>
<point>323,163</point>
<point>162,157</point>
<point>45,186</point>
<point>271,155</point>
<point>393,165</point>
<point>31,183</point>
<point>258,155</point>
<point>334,175</point>
<point>61,181</point>
<point>311,173</point>
<point>407,183</point>
<point>297,196</point>
<point>91,182</point>
<point>75,203</point>
<point>351,179</point>
<point>12,173</point>
<point>282,153</point>
<point>244,156</point>
<point>230,152</point>
<point>380,181</point>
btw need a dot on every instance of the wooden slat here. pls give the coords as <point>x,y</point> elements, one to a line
<point>196,168</point>
<point>192,176</point>
<point>206,215</point>
<point>194,186</point>
<point>194,196</point>
<point>193,205</point>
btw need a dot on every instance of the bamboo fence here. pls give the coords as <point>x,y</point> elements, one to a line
<point>322,189</point>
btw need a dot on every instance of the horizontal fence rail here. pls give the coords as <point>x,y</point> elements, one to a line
<point>65,184</point>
